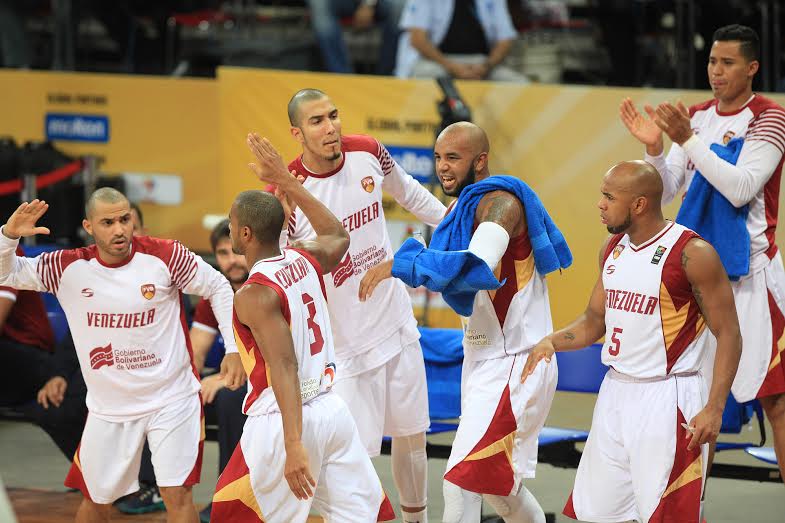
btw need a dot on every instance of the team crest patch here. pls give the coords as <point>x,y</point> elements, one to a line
<point>148,291</point>
<point>658,254</point>
<point>617,251</point>
<point>368,184</point>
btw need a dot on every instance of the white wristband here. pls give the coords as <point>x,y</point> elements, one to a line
<point>489,243</point>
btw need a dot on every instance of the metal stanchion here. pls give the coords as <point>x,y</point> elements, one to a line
<point>685,44</point>
<point>29,193</point>
<point>776,38</point>
<point>765,45</point>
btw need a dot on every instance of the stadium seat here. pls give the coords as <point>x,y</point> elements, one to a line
<point>59,324</point>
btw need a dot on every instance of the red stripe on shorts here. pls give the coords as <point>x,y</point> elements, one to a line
<point>196,472</point>
<point>681,499</point>
<point>569,509</point>
<point>492,474</point>
<point>386,512</point>
<point>75,479</point>
<point>774,383</point>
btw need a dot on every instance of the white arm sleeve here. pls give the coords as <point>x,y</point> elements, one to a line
<point>741,182</point>
<point>19,272</point>
<point>413,196</point>
<point>672,169</point>
<point>193,275</point>
<point>489,243</point>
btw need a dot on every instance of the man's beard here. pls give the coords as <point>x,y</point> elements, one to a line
<point>469,179</point>
<point>618,229</point>
<point>241,279</point>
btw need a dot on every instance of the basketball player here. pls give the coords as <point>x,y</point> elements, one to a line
<point>495,447</point>
<point>376,342</point>
<point>754,181</point>
<point>300,444</point>
<point>660,286</point>
<point>121,297</point>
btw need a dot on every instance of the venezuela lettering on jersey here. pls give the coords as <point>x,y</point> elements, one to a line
<point>630,301</point>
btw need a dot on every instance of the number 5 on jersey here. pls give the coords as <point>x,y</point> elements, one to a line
<point>316,331</point>
<point>615,346</point>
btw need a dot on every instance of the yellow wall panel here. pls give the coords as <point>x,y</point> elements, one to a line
<point>157,125</point>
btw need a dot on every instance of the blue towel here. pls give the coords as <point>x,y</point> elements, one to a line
<point>457,275</point>
<point>448,268</point>
<point>710,214</point>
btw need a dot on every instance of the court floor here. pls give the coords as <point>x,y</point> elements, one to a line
<point>29,460</point>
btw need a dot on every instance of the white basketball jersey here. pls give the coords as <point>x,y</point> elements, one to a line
<point>653,324</point>
<point>760,119</point>
<point>353,193</point>
<point>297,279</point>
<point>127,319</point>
<point>515,317</point>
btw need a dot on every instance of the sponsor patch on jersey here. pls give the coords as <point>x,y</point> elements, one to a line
<point>329,375</point>
<point>658,254</point>
<point>617,251</point>
<point>148,291</point>
<point>368,184</point>
<point>87,292</point>
<point>343,271</point>
<point>610,269</point>
<point>102,356</point>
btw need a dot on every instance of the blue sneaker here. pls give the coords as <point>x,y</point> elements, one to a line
<point>204,514</point>
<point>146,499</point>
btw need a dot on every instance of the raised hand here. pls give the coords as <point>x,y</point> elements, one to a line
<point>644,129</point>
<point>22,222</point>
<point>286,202</point>
<point>674,120</point>
<point>544,350</point>
<point>269,166</point>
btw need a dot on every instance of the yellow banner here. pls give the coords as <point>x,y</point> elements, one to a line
<point>135,124</point>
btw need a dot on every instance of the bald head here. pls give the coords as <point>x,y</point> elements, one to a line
<point>106,195</point>
<point>637,178</point>
<point>300,97</point>
<point>468,135</point>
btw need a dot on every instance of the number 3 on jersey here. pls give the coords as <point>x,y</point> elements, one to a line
<point>615,346</point>
<point>318,341</point>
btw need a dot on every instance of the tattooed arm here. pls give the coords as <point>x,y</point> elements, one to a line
<point>581,332</point>
<point>714,295</point>
<point>504,209</point>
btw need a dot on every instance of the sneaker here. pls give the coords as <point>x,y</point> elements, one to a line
<point>204,514</point>
<point>146,499</point>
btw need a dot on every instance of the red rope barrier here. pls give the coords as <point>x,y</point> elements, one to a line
<point>44,180</point>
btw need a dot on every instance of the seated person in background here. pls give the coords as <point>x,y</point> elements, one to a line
<point>26,344</point>
<point>138,219</point>
<point>326,18</point>
<point>466,39</point>
<point>60,407</point>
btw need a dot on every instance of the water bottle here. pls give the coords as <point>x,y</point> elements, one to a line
<point>417,235</point>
